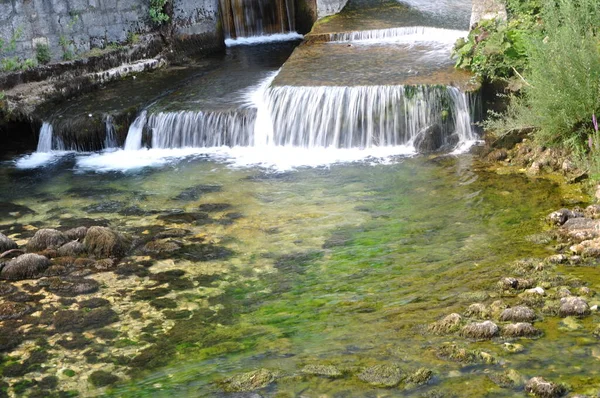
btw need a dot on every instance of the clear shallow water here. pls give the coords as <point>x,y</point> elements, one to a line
<point>344,266</point>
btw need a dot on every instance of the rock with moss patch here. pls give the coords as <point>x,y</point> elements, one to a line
<point>250,381</point>
<point>71,249</point>
<point>161,246</point>
<point>561,216</point>
<point>420,377</point>
<point>478,310</point>
<point>382,375</point>
<point>573,306</point>
<point>328,371</point>
<point>521,329</point>
<point>480,330</point>
<point>519,313</point>
<point>456,353</point>
<point>101,378</point>
<point>69,287</point>
<point>449,324</point>
<point>6,243</point>
<point>46,239</point>
<point>510,283</point>
<point>76,233</point>
<point>26,266</point>
<point>103,242</point>
<point>11,310</point>
<point>539,387</point>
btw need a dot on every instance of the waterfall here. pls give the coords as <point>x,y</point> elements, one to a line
<point>317,117</point>
<point>110,141</point>
<point>45,140</point>
<point>201,129</point>
<point>134,135</point>
<point>245,18</point>
<point>408,33</point>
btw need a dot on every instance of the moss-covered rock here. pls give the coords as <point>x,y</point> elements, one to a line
<point>46,239</point>
<point>541,388</point>
<point>328,371</point>
<point>383,375</point>
<point>100,378</point>
<point>518,314</point>
<point>420,376</point>
<point>573,306</point>
<point>478,310</point>
<point>449,324</point>
<point>6,243</point>
<point>480,331</point>
<point>521,329</point>
<point>250,381</point>
<point>103,242</point>
<point>71,249</point>
<point>26,266</point>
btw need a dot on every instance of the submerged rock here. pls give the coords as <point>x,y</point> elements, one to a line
<point>78,321</point>
<point>26,266</point>
<point>519,313</point>
<point>214,207</point>
<point>430,139</point>
<point>101,378</point>
<point>250,381</point>
<point>420,377</point>
<point>382,375</point>
<point>46,239</point>
<point>449,324</point>
<point>6,243</point>
<point>103,242</point>
<point>480,331</point>
<point>195,192</point>
<point>161,246</point>
<point>10,310</point>
<point>544,389</point>
<point>573,306</point>
<point>521,329</point>
<point>456,353</point>
<point>322,370</point>
<point>69,287</point>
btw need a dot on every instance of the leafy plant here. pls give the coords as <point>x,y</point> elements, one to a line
<point>42,53</point>
<point>10,64</point>
<point>157,11</point>
<point>132,38</point>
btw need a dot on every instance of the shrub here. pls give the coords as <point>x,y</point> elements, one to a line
<point>42,54</point>
<point>157,11</point>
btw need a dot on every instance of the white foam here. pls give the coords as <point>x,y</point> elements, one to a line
<point>270,157</point>
<point>277,37</point>
<point>39,159</point>
<point>404,35</point>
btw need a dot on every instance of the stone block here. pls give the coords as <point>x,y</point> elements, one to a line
<point>6,11</point>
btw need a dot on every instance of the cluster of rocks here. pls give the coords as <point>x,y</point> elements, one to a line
<point>384,375</point>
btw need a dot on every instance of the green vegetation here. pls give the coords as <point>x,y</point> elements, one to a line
<point>14,63</point>
<point>157,11</point>
<point>42,54</point>
<point>549,56</point>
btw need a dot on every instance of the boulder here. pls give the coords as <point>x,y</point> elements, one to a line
<point>430,139</point>
<point>26,266</point>
<point>46,239</point>
<point>71,249</point>
<point>480,331</point>
<point>573,306</point>
<point>521,329</point>
<point>519,313</point>
<point>544,389</point>
<point>6,243</point>
<point>103,242</point>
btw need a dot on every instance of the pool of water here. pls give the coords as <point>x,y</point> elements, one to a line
<point>344,266</point>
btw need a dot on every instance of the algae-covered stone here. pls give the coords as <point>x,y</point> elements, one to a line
<point>250,381</point>
<point>456,353</point>
<point>539,387</point>
<point>519,313</point>
<point>10,310</point>
<point>26,266</point>
<point>510,283</point>
<point>382,375</point>
<point>76,233</point>
<point>71,249</point>
<point>449,324</point>
<point>480,331</point>
<point>322,370</point>
<point>521,329</point>
<point>573,306</point>
<point>478,310</point>
<point>421,376</point>
<point>507,379</point>
<point>6,243</point>
<point>101,378</point>
<point>513,348</point>
<point>46,239</point>
<point>103,242</point>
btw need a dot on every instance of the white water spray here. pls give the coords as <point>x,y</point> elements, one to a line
<point>134,135</point>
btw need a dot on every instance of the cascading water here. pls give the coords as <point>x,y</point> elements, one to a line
<point>407,33</point>
<point>111,134</point>
<point>134,135</point>
<point>45,139</point>
<point>246,18</point>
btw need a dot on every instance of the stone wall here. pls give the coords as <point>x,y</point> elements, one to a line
<point>488,9</point>
<point>77,26</point>
<point>326,8</point>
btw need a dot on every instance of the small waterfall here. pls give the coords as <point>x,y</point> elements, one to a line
<point>412,33</point>
<point>201,129</point>
<point>45,140</point>
<point>111,133</point>
<point>245,18</point>
<point>364,116</point>
<point>134,135</point>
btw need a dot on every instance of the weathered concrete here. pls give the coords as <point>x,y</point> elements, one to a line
<point>488,9</point>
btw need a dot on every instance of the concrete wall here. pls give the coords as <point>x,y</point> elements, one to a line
<point>326,8</point>
<point>87,24</point>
